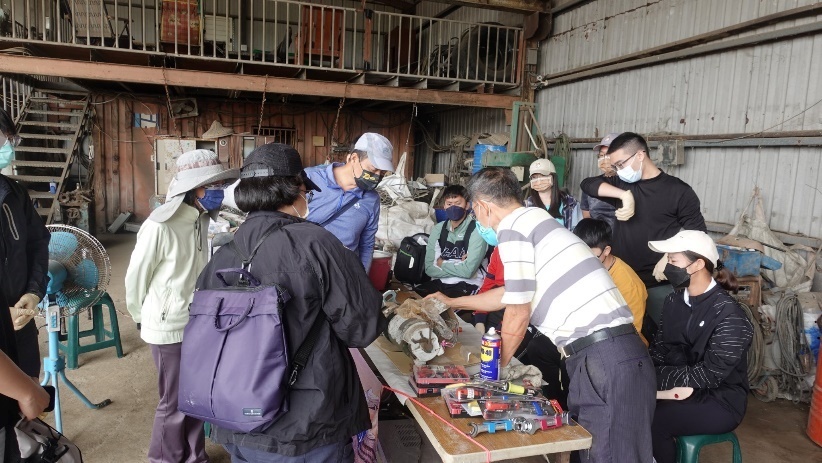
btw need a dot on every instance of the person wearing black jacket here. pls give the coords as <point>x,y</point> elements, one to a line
<point>701,349</point>
<point>652,206</point>
<point>327,405</point>
<point>24,242</point>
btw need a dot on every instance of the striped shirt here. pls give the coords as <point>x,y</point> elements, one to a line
<point>570,292</point>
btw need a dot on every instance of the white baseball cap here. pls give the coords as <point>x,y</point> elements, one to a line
<point>688,240</point>
<point>379,149</point>
<point>542,166</point>
<point>606,141</point>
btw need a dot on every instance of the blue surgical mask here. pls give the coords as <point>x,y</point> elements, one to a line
<point>629,175</point>
<point>6,155</point>
<point>212,200</point>
<point>488,234</point>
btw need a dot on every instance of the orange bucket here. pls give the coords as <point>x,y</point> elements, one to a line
<point>815,416</point>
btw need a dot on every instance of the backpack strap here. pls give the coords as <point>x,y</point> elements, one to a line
<point>443,236</point>
<point>339,212</point>
<point>246,261</point>
<point>465,240</point>
<point>301,357</point>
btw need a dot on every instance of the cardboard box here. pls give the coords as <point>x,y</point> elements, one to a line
<point>435,179</point>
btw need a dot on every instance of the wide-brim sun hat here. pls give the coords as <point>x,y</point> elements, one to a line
<point>688,240</point>
<point>195,169</point>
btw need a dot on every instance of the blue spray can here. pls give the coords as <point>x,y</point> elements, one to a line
<point>489,355</point>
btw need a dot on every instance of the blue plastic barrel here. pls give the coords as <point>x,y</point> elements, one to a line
<point>479,150</point>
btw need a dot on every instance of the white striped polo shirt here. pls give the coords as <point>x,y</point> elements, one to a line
<point>570,292</point>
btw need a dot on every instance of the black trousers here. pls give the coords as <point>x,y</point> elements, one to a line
<point>685,418</point>
<point>451,290</point>
<point>543,354</point>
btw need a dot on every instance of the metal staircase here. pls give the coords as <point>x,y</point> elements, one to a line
<point>50,126</point>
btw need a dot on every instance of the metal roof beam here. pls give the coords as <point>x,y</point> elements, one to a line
<point>516,6</point>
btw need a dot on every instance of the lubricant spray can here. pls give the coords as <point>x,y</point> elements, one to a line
<point>489,355</point>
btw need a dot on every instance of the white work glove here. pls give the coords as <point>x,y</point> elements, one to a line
<point>528,373</point>
<point>659,268</point>
<point>24,310</point>
<point>627,210</point>
<point>677,393</point>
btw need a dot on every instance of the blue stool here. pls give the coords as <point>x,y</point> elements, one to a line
<point>688,447</point>
<point>103,338</point>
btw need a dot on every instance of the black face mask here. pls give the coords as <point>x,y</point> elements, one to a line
<point>678,277</point>
<point>368,180</point>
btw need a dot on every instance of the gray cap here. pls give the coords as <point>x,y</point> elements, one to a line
<point>607,140</point>
<point>379,149</point>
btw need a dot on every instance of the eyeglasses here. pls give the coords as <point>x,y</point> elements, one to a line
<point>603,156</point>
<point>14,141</point>
<point>621,164</point>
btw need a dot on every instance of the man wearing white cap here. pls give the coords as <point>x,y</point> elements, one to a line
<point>171,251</point>
<point>594,208</point>
<point>348,206</point>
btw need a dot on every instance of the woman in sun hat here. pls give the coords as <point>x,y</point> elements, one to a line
<point>701,348</point>
<point>171,251</point>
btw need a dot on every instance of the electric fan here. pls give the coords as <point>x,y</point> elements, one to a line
<point>79,272</point>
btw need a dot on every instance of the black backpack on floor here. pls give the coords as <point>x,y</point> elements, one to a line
<point>409,267</point>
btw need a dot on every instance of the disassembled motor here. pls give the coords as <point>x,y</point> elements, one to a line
<point>418,327</point>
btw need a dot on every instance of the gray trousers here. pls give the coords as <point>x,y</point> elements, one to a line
<point>175,438</point>
<point>613,394</point>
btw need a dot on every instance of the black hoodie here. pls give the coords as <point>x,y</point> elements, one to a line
<point>705,346</point>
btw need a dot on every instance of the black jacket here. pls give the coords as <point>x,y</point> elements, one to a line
<point>664,205</point>
<point>327,403</point>
<point>24,242</point>
<point>705,346</point>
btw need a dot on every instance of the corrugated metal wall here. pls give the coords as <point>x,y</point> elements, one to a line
<point>748,90</point>
<point>124,167</point>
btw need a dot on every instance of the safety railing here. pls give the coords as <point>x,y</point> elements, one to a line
<point>281,32</point>
<point>416,46</point>
<point>15,96</point>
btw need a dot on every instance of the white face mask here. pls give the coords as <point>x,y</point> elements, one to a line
<point>540,184</point>
<point>628,174</point>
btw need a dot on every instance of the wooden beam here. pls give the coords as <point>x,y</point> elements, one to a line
<point>558,6</point>
<point>516,6</point>
<point>70,69</point>
<point>402,5</point>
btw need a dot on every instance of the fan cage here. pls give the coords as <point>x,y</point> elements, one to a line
<point>75,298</point>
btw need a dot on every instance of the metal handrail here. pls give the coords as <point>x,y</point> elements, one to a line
<point>281,32</point>
<point>16,96</point>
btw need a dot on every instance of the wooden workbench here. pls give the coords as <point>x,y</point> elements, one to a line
<point>456,448</point>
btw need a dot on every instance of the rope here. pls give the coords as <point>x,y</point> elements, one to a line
<point>562,148</point>
<point>794,347</point>
<point>459,431</point>
<point>755,357</point>
<point>337,120</point>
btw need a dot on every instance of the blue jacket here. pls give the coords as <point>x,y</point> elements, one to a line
<point>357,226</point>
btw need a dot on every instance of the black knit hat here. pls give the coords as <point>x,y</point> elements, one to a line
<point>275,160</point>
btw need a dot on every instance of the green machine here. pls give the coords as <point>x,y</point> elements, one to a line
<point>524,114</point>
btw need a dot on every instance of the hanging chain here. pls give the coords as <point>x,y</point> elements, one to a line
<point>410,125</point>
<point>170,111</point>
<point>337,120</point>
<point>262,106</point>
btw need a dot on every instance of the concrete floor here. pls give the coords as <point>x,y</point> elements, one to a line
<point>771,432</point>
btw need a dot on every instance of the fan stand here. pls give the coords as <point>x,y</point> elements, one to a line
<point>54,367</point>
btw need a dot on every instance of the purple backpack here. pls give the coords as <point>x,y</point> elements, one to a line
<point>234,366</point>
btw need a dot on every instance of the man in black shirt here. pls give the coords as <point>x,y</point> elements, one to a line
<point>653,206</point>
